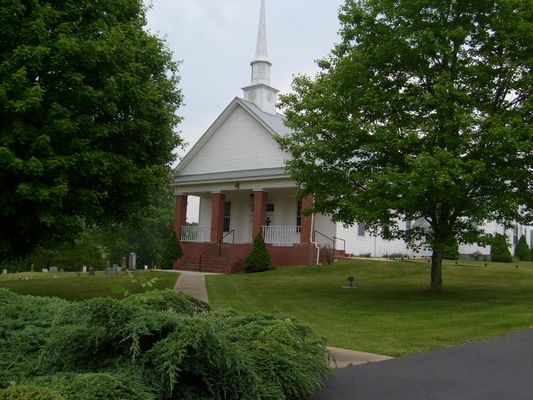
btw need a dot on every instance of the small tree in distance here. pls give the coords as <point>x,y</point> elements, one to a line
<point>258,260</point>
<point>499,251</point>
<point>522,249</point>
<point>172,252</point>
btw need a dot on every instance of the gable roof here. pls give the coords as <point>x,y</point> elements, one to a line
<point>273,124</point>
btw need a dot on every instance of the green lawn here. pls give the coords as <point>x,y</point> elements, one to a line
<point>70,286</point>
<point>390,311</point>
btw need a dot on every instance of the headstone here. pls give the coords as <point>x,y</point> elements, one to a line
<point>132,262</point>
<point>146,267</point>
<point>92,272</point>
<point>45,269</point>
<point>53,269</point>
<point>4,272</point>
<point>84,269</point>
<point>123,263</point>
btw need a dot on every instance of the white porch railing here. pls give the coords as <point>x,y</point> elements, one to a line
<point>281,234</point>
<point>198,234</point>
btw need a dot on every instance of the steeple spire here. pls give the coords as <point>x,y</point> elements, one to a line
<point>261,53</point>
<point>260,92</point>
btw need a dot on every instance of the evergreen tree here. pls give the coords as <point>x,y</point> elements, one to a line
<point>499,250</point>
<point>258,260</point>
<point>522,249</point>
<point>172,252</point>
<point>451,250</point>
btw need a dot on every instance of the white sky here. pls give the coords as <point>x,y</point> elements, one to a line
<point>216,39</point>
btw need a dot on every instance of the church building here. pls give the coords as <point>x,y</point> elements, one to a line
<point>237,171</point>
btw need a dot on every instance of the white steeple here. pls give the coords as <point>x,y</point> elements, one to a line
<point>260,92</point>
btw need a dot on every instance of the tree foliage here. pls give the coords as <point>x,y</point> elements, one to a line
<point>258,260</point>
<point>87,112</point>
<point>144,234</point>
<point>499,249</point>
<point>422,112</point>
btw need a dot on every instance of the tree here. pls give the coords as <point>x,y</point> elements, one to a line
<point>258,260</point>
<point>499,249</point>
<point>522,249</point>
<point>87,112</point>
<point>422,112</point>
<point>172,252</point>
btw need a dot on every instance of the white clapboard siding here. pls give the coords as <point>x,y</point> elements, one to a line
<point>240,143</point>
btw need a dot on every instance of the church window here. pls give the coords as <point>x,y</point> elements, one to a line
<point>361,229</point>
<point>227,215</point>
<point>270,207</point>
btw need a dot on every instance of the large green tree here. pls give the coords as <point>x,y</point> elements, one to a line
<point>87,116</point>
<point>422,112</point>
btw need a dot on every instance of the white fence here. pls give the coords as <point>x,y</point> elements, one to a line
<point>198,234</point>
<point>281,234</point>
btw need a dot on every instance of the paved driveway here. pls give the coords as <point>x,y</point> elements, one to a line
<point>496,369</point>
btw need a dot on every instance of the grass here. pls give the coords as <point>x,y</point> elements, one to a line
<point>70,286</point>
<point>391,310</point>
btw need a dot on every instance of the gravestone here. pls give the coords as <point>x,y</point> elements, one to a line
<point>4,272</point>
<point>45,270</point>
<point>124,263</point>
<point>132,262</point>
<point>84,269</point>
<point>92,272</point>
<point>53,269</point>
<point>146,267</point>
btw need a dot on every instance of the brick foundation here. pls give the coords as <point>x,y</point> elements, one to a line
<point>232,256</point>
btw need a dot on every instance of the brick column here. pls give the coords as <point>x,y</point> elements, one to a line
<point>306,221</point>
<point>180,215</point>
<point>260,212</point>
<point>217,216</point>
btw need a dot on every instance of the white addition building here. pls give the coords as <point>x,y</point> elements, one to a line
<point>237,171</point>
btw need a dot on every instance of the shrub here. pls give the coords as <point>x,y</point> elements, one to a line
<point>171,253</point>
<point>22,392</point>
<point>499,251</point>
<point>157,345</point>
<point>258,260</point>
<point>522,250</point>
<point>451,250</point>
<point>103,386</point>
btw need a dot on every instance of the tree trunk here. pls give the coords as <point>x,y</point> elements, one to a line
<point>436,271</point>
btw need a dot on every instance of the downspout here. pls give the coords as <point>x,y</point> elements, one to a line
<point>311,238</point>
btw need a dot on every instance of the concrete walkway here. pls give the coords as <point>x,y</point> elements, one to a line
<point>343,358</point>
<point>193,284</point>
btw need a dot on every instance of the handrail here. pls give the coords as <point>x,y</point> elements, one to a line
<point>327,237</point>
<point>219,243</point>
<point>343,242</point>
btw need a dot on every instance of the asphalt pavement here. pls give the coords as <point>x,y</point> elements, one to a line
<point>500,368</point>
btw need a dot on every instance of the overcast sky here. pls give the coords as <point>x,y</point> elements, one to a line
<point>215,40</point>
